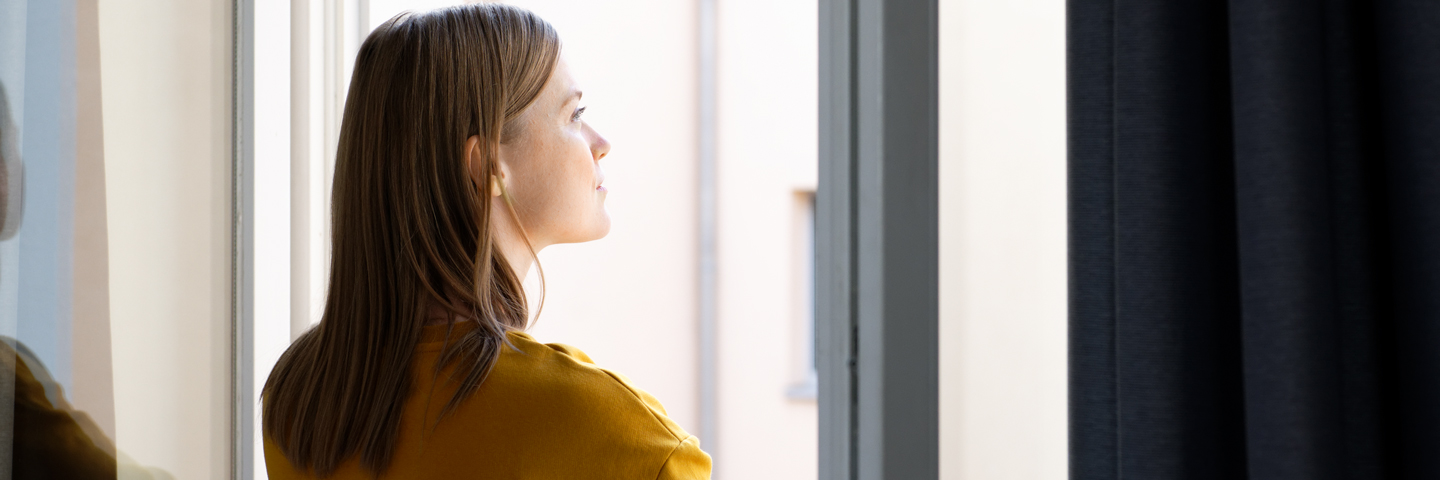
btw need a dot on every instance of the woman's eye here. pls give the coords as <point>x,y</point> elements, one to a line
<point>578,112</point>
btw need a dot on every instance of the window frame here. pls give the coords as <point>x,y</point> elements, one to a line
<point>877,239</point>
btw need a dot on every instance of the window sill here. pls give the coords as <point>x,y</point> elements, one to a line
<point>804,391</point>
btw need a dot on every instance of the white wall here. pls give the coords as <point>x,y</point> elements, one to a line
<point>768,144</point>
<point>165,91</point>
<point>1002,232</point>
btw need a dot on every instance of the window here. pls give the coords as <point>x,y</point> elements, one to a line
<point>803,234</point>
<point>115,253</point>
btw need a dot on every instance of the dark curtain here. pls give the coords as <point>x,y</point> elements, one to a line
<point>1254,239</point>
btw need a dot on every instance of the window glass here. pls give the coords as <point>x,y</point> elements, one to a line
<point>115,250</point>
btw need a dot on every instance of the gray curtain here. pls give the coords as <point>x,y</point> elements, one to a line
<point>1255,239</point>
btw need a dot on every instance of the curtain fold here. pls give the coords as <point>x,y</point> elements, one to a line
<point>1254,239</point>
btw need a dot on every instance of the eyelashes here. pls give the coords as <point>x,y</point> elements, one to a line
<point>578,112</point>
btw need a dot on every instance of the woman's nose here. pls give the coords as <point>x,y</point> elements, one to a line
<point>599,147</point>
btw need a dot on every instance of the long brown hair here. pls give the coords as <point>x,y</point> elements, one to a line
<point>411,229</point>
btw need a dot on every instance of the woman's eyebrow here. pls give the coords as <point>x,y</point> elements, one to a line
<point>573,97</point>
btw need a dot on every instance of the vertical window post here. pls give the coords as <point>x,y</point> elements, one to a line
<point>877,250</point>
<point>242,152</point>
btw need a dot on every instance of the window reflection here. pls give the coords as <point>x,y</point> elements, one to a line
<point>114,240</point>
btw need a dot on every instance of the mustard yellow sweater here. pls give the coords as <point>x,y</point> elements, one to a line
<point>545,412</point>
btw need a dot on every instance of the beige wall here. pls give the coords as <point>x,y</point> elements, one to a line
<point>1002,234</point>
<point>766,162</point>
<point>165,88</point>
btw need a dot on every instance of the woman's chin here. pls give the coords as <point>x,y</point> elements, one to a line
<point>602,226</point>
<point>597,229</point>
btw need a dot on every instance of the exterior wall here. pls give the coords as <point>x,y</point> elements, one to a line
<point>766,162</point>
<point>165,87</point>
<point>1002,240</point>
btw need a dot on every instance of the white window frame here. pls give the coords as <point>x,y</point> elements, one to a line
<point>286,122</point>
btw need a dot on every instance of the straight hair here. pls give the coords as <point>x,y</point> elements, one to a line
<point>412,229</point>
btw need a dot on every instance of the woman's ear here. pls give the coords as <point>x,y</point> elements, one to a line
<point>473,159</point>
<point>472,165</point>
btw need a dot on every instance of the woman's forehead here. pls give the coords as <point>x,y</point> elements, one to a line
<point>562,84</point>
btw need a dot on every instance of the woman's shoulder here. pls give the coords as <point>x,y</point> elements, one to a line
<point>555,395</point>
<point>544,411</point>
<point>573,379</point>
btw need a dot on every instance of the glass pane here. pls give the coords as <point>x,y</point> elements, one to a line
<point>1002,239</point>
<point>114,257</point>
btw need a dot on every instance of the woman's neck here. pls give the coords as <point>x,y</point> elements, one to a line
<point>512,243</point>
<point>518,256</point>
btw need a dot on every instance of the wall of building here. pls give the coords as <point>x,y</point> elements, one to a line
<point>766,165</point>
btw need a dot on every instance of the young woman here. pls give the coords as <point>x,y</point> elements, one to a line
<point>462,153</point>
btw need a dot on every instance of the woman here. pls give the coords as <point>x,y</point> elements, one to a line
<point>462,153</point>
